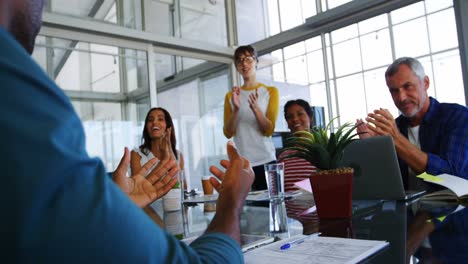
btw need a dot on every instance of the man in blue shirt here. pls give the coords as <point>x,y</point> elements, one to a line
<point>429,136</point>
<point>57,203</point>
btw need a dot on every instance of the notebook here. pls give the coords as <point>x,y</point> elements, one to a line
<point>316,249</point>
<point>377,173</point>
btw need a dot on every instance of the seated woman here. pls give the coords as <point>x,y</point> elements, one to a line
<point>158,141</point>
<point>298,115</point>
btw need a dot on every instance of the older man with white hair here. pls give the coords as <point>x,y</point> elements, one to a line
<point>429,136</point>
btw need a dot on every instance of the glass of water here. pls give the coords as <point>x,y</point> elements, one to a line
<point>274,174</point>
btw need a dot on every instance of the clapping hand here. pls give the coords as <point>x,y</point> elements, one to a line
<point>383,123</point>
<point>141,188</point>
<point>165,145</point>
<point>363,129</point>
<point>236,181</point>
<point>236,97</point>
<point>253,100</point>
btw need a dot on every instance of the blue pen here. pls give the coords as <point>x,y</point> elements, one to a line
<point>297,241</point>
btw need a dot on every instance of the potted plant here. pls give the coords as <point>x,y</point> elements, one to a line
<point>332,184</point>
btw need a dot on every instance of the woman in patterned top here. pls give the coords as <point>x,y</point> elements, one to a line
<point>298,115</point>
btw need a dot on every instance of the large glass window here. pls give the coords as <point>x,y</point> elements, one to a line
<point>199,20</point>
<point>122,12</point>
<point>196,105</point>
<point>257,20</point>
<point>358,54</point>
<point>108,87</point>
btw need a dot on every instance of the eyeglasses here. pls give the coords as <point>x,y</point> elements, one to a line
<point>247,59</point>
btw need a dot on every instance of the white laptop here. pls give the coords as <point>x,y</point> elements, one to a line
<point>377,173</point>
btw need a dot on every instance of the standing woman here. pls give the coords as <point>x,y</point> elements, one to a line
<point>250,113</point>
<point>298,115</point>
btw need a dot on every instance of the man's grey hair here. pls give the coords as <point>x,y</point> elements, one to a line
<point>412,63</point>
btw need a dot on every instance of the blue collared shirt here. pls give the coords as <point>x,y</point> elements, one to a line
<point>59,206</point>
<point>443,135</point>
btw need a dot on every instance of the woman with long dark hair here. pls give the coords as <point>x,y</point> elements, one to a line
<point>158,140</point>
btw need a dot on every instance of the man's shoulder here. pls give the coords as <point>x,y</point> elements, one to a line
<point>450,112</point>
<point>453,107</point>
<point>446,114</point>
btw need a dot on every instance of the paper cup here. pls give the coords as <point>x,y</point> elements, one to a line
<point>207,186</point>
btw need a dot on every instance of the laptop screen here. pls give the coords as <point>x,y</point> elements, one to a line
<point>377,173</point>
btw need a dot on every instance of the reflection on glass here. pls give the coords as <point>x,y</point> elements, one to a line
<point>278,218</point>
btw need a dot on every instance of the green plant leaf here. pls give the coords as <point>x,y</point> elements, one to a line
<point>305,134</point>
<point>320,149</point>
<point>294,140</point>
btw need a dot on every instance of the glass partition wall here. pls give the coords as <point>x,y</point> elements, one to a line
<point>108,86</point>
<point>116,59</point>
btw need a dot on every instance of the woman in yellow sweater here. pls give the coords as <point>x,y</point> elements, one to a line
<point>250,113</point>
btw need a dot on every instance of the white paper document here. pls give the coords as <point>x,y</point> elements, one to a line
<point>329,250</point>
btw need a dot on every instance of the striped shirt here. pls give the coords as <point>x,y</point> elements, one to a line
<point>295,169</point>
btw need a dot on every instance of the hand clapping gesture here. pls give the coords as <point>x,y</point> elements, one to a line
<point>383,123</point>
<point>363,129</point>
<point>253,100</point>
<point>165,146</point>
<point>236,97</point>
<point>144,190</point>
<point>237,179</point>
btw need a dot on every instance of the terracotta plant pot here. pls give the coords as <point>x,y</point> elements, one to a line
<point>333,192</point>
